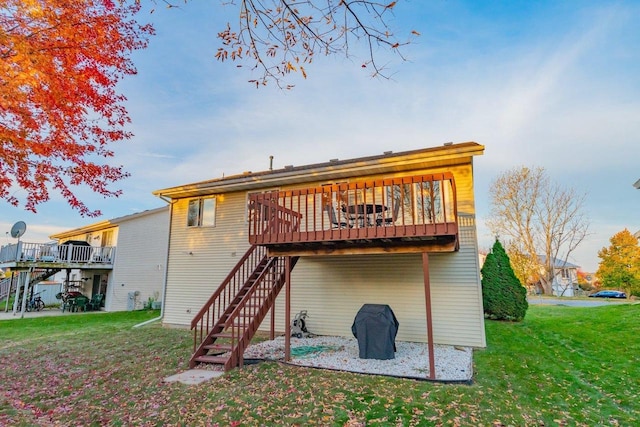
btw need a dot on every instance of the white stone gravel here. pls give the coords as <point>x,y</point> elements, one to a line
<point>341,353</point>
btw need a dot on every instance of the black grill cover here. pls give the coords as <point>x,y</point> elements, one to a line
<point>375,327</point>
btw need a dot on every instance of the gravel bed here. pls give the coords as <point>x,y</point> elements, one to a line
<point>453,363</point>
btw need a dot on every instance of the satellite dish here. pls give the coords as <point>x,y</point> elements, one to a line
<point>18,229</point>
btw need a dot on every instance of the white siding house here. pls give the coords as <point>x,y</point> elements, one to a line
<point>332,284</point>
<point>136,272</point>
<point>565,277</point>
<point>139,269</point>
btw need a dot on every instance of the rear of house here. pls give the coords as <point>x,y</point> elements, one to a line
<point>135,270</point>
<point>396,229</point>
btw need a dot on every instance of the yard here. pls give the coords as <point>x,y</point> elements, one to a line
<point>560,366</point>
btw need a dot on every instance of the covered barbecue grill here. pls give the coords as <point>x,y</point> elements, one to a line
<point>375,327</point>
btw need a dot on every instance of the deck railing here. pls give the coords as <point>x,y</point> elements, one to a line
<point>5,287</point>
<point>420,206</point>
<point>65,253</point>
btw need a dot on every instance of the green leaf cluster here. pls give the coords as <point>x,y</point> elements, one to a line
<point>503,295</point>
<point>620,263</point>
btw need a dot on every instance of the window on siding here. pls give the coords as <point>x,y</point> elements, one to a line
<point>107,238</point>
<point>202,212</point>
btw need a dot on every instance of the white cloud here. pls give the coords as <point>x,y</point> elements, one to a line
<point>544,84</point>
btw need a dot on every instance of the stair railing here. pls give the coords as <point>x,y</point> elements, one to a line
<point>43,275</point>
<point>210,314</point>
<point>242,274</point>
<point>5,287</point>
<point>246,318</point>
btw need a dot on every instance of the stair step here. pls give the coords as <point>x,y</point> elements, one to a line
<point>223,347</point>
<point>222,335</point>
<point>242,327</point>
<point>212,359</point>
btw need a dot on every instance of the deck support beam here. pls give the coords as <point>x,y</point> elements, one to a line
<point>427,298</point>
<point>6,306</point>
<point>25,292</point>
<point>272,326</point>
<point>287,313</point>
<point>15,298</point>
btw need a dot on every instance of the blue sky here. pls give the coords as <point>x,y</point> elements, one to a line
<point>539,83</point>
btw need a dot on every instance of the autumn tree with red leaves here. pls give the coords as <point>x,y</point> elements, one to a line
<point>60,62</point>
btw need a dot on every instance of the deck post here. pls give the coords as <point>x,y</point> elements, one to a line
<point>272,327</point>
<point>427,298</point>
<point>25,295</point>
<point>6,306</point>
<point>287,312</point>
<point>15,298</point>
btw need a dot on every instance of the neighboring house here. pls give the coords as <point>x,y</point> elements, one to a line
<point>31,264</point>
<point>396,229</point>
<point>565,277</point>
<point>123,259</point>
<point>137,274</point>
<point>482,257</point>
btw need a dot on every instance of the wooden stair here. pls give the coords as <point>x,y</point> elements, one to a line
<point>228,321</point>
<point>43,274</point>
<point>39,276</point>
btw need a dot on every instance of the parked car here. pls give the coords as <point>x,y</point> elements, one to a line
<point>609,294</point>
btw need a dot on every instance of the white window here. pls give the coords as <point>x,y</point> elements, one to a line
<point>202,212</point>
<point>107,238</point>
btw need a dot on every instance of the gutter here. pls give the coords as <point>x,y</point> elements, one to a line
<point>334,169</point>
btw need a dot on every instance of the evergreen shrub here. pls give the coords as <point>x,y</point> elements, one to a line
<point>503,295</point>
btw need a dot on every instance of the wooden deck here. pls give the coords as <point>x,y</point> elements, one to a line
<point>405,214</point>
<point>24,255</point>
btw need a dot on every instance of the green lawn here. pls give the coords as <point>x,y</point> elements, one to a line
<point>560,366</point>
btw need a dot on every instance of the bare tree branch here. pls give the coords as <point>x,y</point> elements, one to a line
<point>283,36</point>
<point>539,218</point>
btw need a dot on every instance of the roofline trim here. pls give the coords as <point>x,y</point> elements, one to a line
<point>327,170</point>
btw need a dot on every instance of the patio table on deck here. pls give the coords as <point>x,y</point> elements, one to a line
<point>364,213</point>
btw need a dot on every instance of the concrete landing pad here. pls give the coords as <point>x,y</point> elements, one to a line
<point>193,376</point>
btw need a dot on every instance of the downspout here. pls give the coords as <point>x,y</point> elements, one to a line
<point>166,267</point>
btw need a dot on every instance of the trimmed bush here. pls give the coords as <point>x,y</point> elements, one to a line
<point>503,295</point>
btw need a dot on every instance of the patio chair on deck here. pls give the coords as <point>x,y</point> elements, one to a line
<point>335,221</point>
<point>394,215</point>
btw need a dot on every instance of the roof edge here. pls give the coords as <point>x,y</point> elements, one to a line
<point>104,224</point>
<point>387,159</point>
